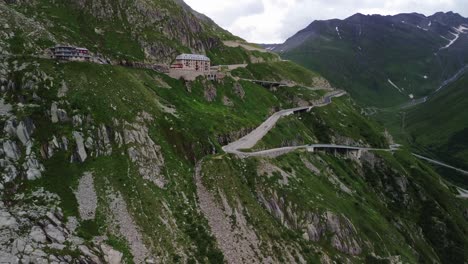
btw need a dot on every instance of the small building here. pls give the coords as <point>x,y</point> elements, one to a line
<point>190,66</point>
<point>70,53</point>
<point>194,62</point>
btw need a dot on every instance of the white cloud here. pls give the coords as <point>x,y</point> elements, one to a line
<point>272,21</point>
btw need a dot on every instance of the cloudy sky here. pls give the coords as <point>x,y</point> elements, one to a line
<point>273,21</point>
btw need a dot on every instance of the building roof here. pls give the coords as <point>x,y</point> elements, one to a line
<point>197,57</point>
<point>68,47</point>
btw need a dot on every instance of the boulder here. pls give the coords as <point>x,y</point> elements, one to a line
<point>5,108</point>
<point>8,258</point>
<point>104,146</point>
<point>22,133</point>
<point>87,252</point>
<point>62,115</point>
<point>37,235</point>
<point>80,148</point>
<point>10,173</point>
<point>63,90</point>
<point>11,150</point>
<point>54,234</point>
<point>77,121</point>
<point>64,144</point>
<point>10,128</point>
<point>111,255</point>
<point>33,168</point>
<point>7,221</point>
<point>18,246</point>
<point>89,144</point>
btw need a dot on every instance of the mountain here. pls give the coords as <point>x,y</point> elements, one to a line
<point>112,163</point>
<point>142,30</point>
<point>440,126</point>
<point>382,61</point>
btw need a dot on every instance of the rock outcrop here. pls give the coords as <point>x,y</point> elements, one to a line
<point>80,152</point>
<point>143,151</point>
<point>239,244</point>
<point>170,23</point>
<point>233,136</point>
<point>36,233</point>
<point>315,226</point>
<point>239,90</point>
<point>210,92</point>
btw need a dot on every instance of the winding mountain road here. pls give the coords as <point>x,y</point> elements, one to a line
<point>445,84</point>
<point>241,146</point>
<point>275,152</point>
<point>256,135</point>
<point>436,162</point>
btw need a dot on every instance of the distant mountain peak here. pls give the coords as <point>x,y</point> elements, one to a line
<point>345,49</point>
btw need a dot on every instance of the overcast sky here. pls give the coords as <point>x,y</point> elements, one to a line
<point>273,21</point>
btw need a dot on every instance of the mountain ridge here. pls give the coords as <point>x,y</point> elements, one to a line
<point>438,16</point>
<point>382,61</point>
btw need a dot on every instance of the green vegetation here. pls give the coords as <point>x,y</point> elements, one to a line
<point>120,31</point>
<point>338,122</point>
<point>69,22</point>
<point>224,55</point>
<point>437,129</point>
<point>375,195</point>
<point>390,203</point>
<point>277,71</point>
<point>440,126</point>
<point>384,50</point>
<point>102,94</point>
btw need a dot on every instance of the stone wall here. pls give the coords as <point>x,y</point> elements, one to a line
<point>188,75</point>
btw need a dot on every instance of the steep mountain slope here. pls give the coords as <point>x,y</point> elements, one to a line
<point>76,126</point>
<point>111,164</point>
<point>382,60</point>
<point>440,126</point>
<point>154,31</point>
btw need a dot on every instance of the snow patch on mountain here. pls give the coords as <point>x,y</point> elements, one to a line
<point>425,29</point>
<point>394,85</point>
<point>462,29</point>
<point>338,32</point>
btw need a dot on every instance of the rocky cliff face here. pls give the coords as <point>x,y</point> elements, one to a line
<point>156,30</point>
<point>298,197</point>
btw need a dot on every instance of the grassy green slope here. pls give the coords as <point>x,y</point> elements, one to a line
<point>384,213</point>
<point>188,127</point>
<point>190,132</point>
<point>277,71</point>
<point>373,49</point>
<point>108,93</point>
<point>339,122</point>
<point>364,74</point>
<point>440,126</point>
<point>115,30</point>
